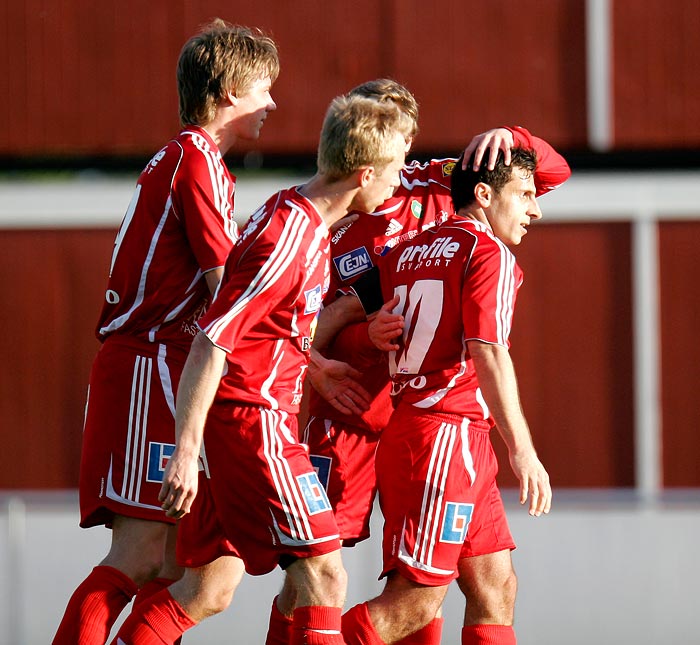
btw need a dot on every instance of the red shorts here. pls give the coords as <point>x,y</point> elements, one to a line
<point>129,431</point>
<point>263,500</point>
<point>343,456</point>
<point>437,489</point>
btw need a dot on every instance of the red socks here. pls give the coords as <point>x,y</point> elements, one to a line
<point>358,628</point>
<point>317,626</point>
<point>94,607</point>
<point>279,631</point>
<point>157,621</point>
<point>488,635</point>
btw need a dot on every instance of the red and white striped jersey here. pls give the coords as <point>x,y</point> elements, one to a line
<point>456,283</point>
<point>266,305</point>
<point>421,201</point>
<point>178,226</point>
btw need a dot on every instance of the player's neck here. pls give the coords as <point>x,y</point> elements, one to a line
<point>331,199</point>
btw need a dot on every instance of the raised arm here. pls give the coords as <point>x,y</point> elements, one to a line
<point>496,376</point>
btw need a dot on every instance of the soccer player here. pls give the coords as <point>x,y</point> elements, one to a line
<point>451,292</point>
<point>342,432</point>
<point>168,259</point>
<point>263,504</point>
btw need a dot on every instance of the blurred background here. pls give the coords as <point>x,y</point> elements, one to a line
<point>604,340</point>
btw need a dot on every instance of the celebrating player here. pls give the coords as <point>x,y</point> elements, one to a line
<point>167,261</point>
<point>342,432</point>
<point>451,292</point>
<point>262,504</point>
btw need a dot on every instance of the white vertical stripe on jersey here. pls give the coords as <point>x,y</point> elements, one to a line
<point>120,320</point>
<point>505,293</point>
<point>277,356</point>
<point>282,256</point>
<point>433,494</point>
<point>219,185</point>
<point>282,476</point>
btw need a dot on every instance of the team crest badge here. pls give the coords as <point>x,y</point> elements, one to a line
<point>447,168</point>
<point>416,209</point>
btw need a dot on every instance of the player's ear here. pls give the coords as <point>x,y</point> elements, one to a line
<point>231,98</point>
<point>366,176</point>
<point>483,194</point>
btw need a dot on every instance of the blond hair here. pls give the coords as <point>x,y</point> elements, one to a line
<point>358,132</point>
<point>222,58</point>
<point>386,89</point>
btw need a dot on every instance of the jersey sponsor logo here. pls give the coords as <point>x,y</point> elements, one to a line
<point>353,263</point>
<point>447,168</point>
<point>314,298</point>
<point>455,522</point>
<point>416,209</point>
<point>433,254</point>
<point>395,241</point>
<point>340,232</point>
<point>323,468</point>
<point>158,456</point>
<point>393,228</point>
<point>314,493</point>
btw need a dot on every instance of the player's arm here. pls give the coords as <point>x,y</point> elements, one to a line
<point>213,279</point>
<point>336,381</point>
<point>498,384</point>
<point>552,169</point>
<point>198,385</point>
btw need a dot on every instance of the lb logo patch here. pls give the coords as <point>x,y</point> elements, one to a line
<point>158,456</point>
<point>314,494</point>
<point>456,522</point>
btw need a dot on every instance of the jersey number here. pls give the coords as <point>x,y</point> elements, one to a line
<point>422,309</point>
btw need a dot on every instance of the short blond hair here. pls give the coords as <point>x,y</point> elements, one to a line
<point>387,89</point>
<point>358,132</point>
<point>221,58</point>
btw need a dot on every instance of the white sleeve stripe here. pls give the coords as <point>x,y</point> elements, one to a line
<point>276,264</point>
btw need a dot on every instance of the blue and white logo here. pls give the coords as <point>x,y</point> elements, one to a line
<point>314,493</point>
<point>323,468</point>
<point>314,298</point>
<point>456,522</point>
<point>353,263</point>
<point>158,455</point>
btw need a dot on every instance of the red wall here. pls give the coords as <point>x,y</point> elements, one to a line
<point>98,78</point>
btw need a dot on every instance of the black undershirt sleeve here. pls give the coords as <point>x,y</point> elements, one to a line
<point>368,289</point>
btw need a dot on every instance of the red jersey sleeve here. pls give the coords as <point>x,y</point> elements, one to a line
<point>200,195</point>
<point>259,278</point>
<point>552,170</point>
<point>489,291</point>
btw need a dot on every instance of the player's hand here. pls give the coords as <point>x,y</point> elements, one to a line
<point>491,141</point>
<point>385,327</point>
<point>534,481</point>
<point>179,484</point>
<point>337,383</point>
<point>343,221</point>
